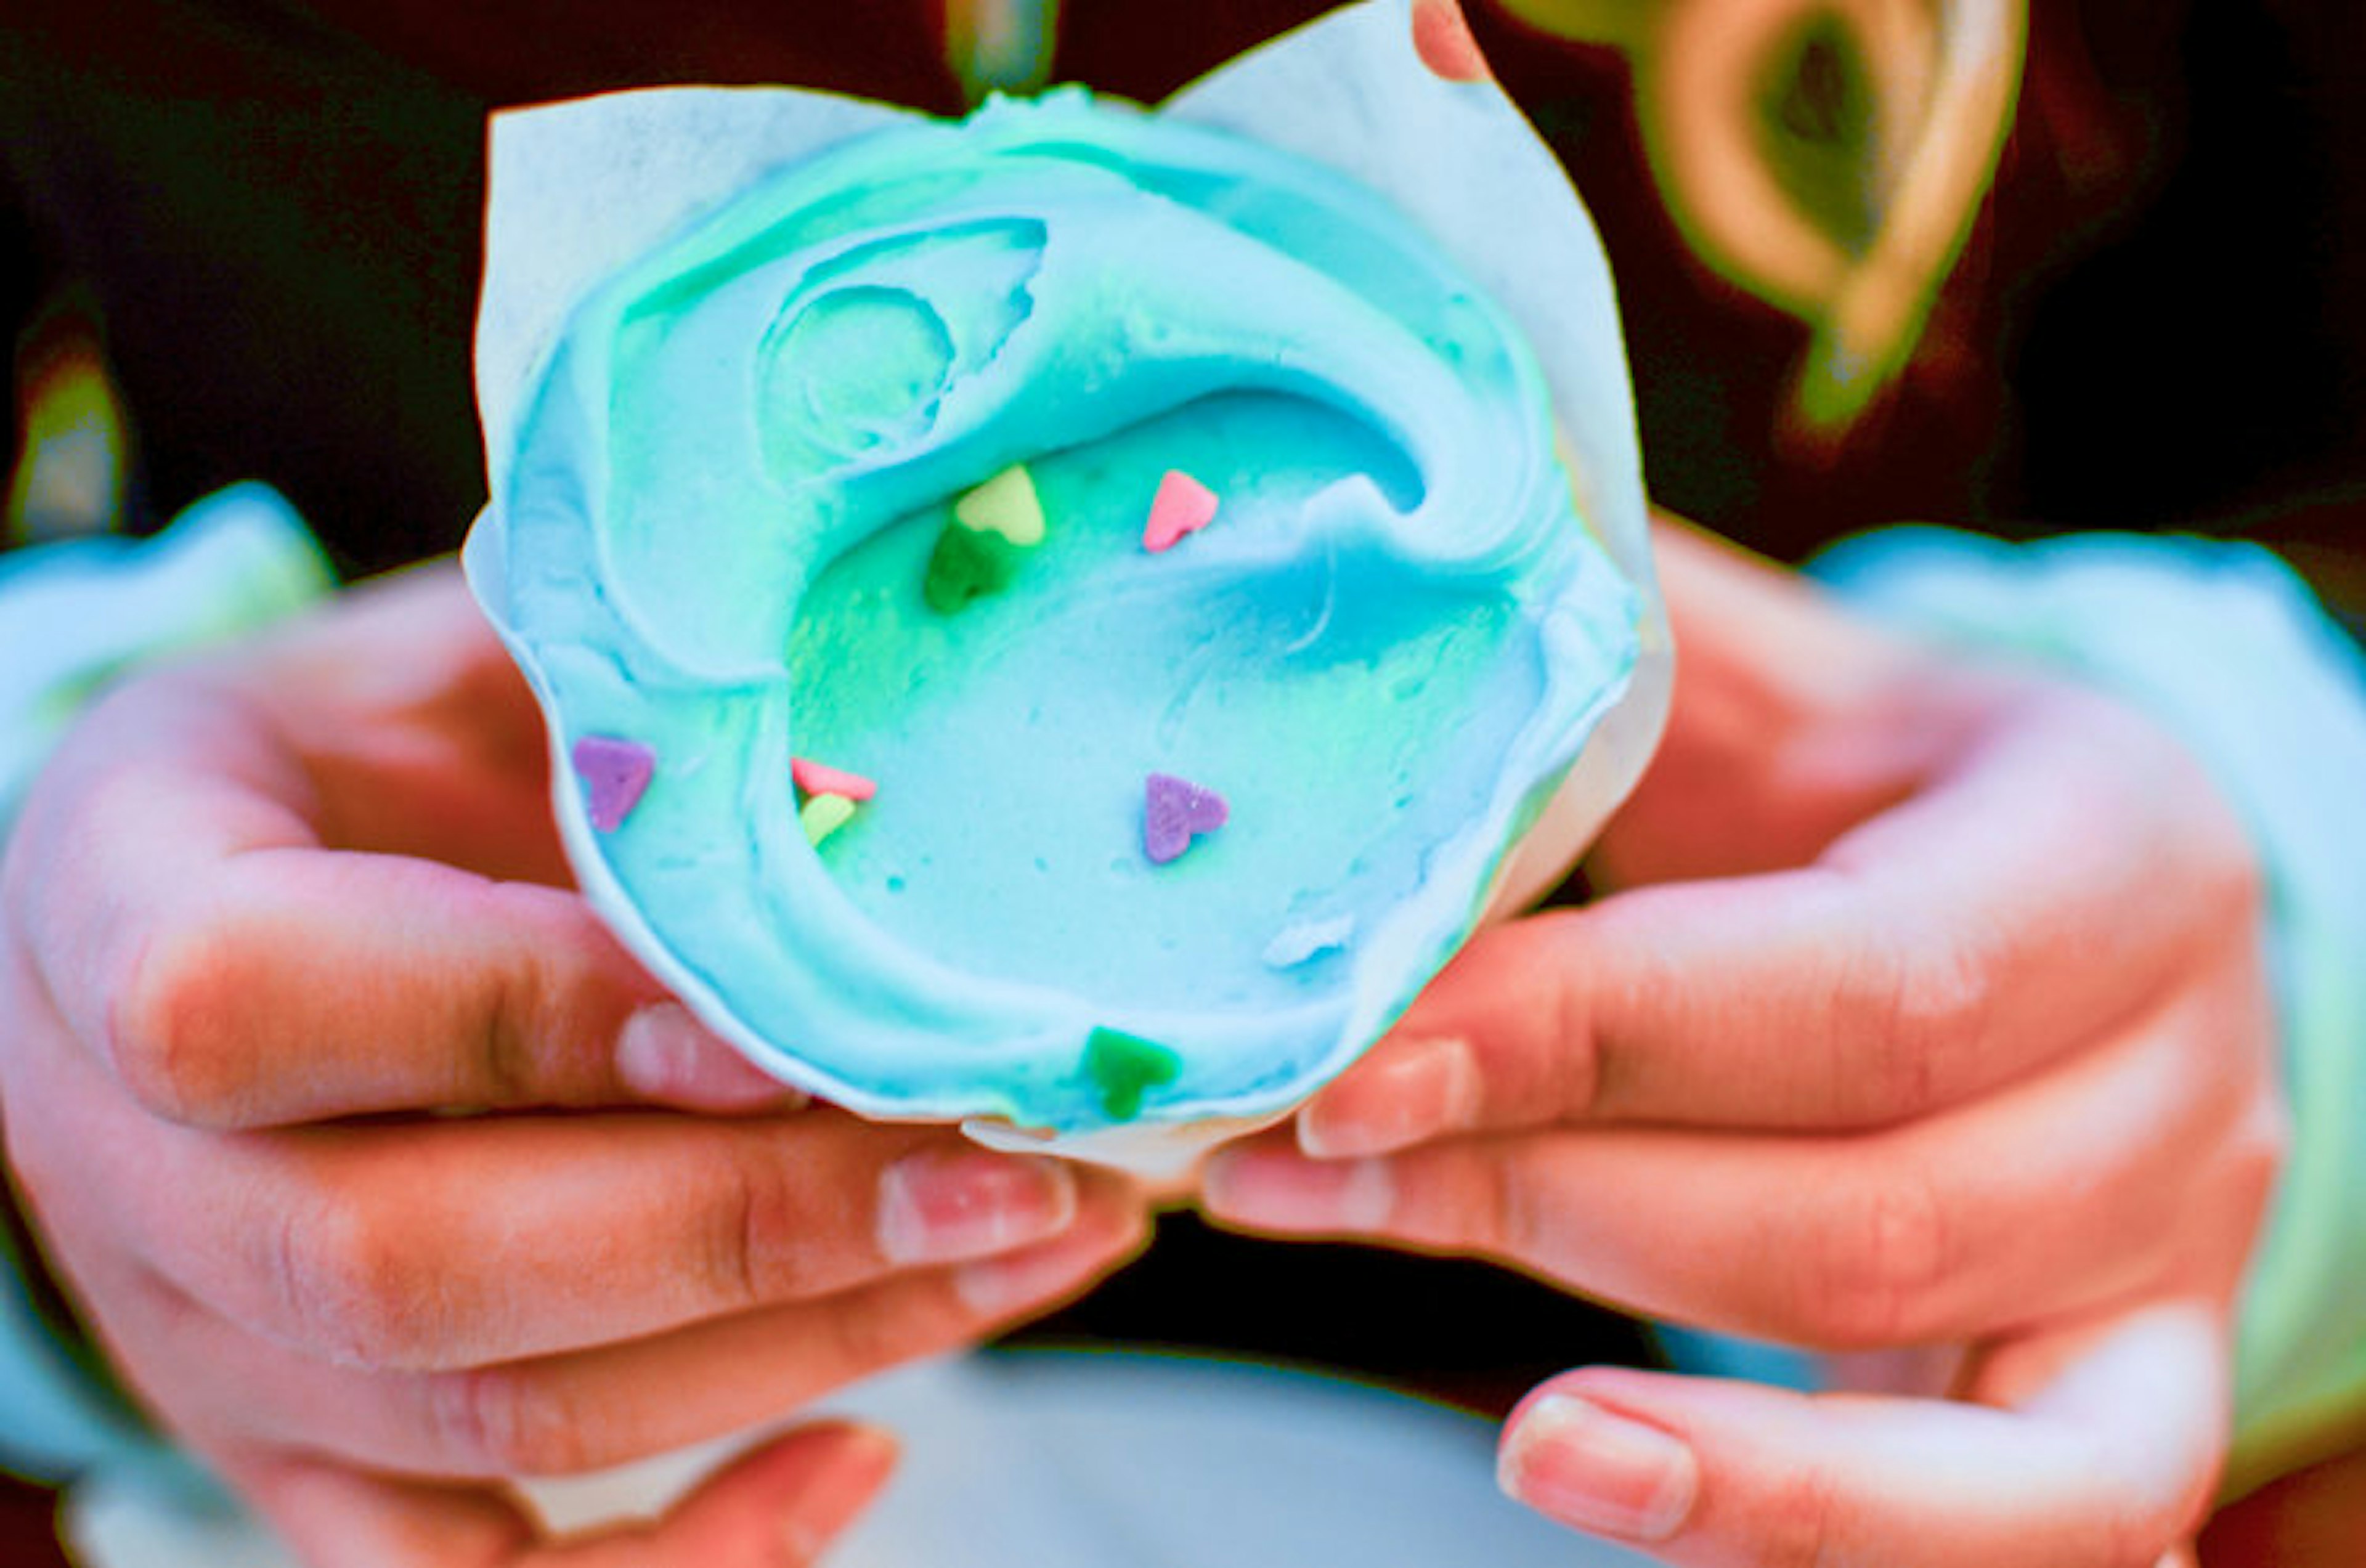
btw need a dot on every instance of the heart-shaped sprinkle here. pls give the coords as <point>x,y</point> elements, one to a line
<point>1183,505</point>
<point>966,565</point>
<point>819,778</point>
<point>1175,812</point>
<point>1124,1067</point>
<point>615,773</point>
<point>1006,504</point>
<point>823,814</point>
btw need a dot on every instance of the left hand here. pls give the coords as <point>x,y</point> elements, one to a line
<point>269,919</point>
<point>1927,1009</point>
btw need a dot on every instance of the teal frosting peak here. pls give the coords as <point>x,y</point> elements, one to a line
<point>745,467</point>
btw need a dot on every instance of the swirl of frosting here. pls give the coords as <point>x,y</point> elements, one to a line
<point>721,524</point>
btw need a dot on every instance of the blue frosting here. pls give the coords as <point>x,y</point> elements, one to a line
<point>1384,652</point>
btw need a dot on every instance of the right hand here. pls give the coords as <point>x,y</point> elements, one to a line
<point>1925,1015</point>
<point>271,919</point>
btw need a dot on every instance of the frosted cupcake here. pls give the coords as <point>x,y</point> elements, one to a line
<point>1060,619</point>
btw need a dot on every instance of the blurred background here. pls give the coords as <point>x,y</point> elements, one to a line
<point>2057,265</point>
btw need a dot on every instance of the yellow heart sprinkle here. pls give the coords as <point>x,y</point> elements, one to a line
<point>823,815</point>
<point>1005,504</point>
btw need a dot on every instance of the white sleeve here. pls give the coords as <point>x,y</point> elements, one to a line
<point>2223,644</point>
<point>76,615</point>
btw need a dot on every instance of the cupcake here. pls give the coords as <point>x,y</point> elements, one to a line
<point>1063,619</point>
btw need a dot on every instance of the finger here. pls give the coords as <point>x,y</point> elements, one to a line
<point>1938,1230</point>
<point>1944,949</point>
<point>1791,720</point>
<point>776,1508</point>
<point>420,736</point>
<point>2107,1464</point>
<point>242,984</point>
<point>170,887</point>
<point>590,1409</point>
<point>483,1238</point>
<point>305,985</point>
<point>461,1243</point>
<point>1442,40</point>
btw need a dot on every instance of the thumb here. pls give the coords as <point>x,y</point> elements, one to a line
<point>2108,1465</point>
<point>1791,720</point>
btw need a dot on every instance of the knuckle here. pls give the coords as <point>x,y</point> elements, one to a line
<point>1509,1218</point>
<point>1875,1265</point>
<point>347,1290</point>
<point>509,1419</point>
<point>165,1016</point>
<point>522,996</point>
<point>752,1224</point>
<point>541,1039</point>
<point>864,1336</point>
<point>875,1329</point>
<point>1799,1521</point>
<point>1574,1073</point>
<point>1458,1201</point>
<point>504,1054</point>
<point>1927,1013</point>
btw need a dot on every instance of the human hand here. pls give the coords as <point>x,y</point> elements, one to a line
<point>1926,1010</point>
<point>269,921</point>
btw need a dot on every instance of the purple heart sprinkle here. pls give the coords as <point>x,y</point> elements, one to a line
<point>614,772</point>
<point>1176,811</point>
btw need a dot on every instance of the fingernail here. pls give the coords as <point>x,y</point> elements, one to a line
<point>665,1053</point>
<point>942,1204</point>
<point>830,1498</point>
<point>1599,1471</point>
<point>1441,37</point>
<point>1276,1189</point>
<point>1410,1092</point>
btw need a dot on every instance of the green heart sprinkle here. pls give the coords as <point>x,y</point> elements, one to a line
<point>966,564</point>
<point>1125,1067</point>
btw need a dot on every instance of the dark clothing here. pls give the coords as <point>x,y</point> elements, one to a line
<point>277,204</point>
<point>2159,323</point>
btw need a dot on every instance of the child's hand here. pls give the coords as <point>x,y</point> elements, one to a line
<point>1930,1010</point>
<point>267,918</point>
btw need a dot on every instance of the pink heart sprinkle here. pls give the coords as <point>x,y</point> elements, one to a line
<point>614,772</point>
<point>1183,505</point>
<point>820,778</point>
<point>1175,812</point>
